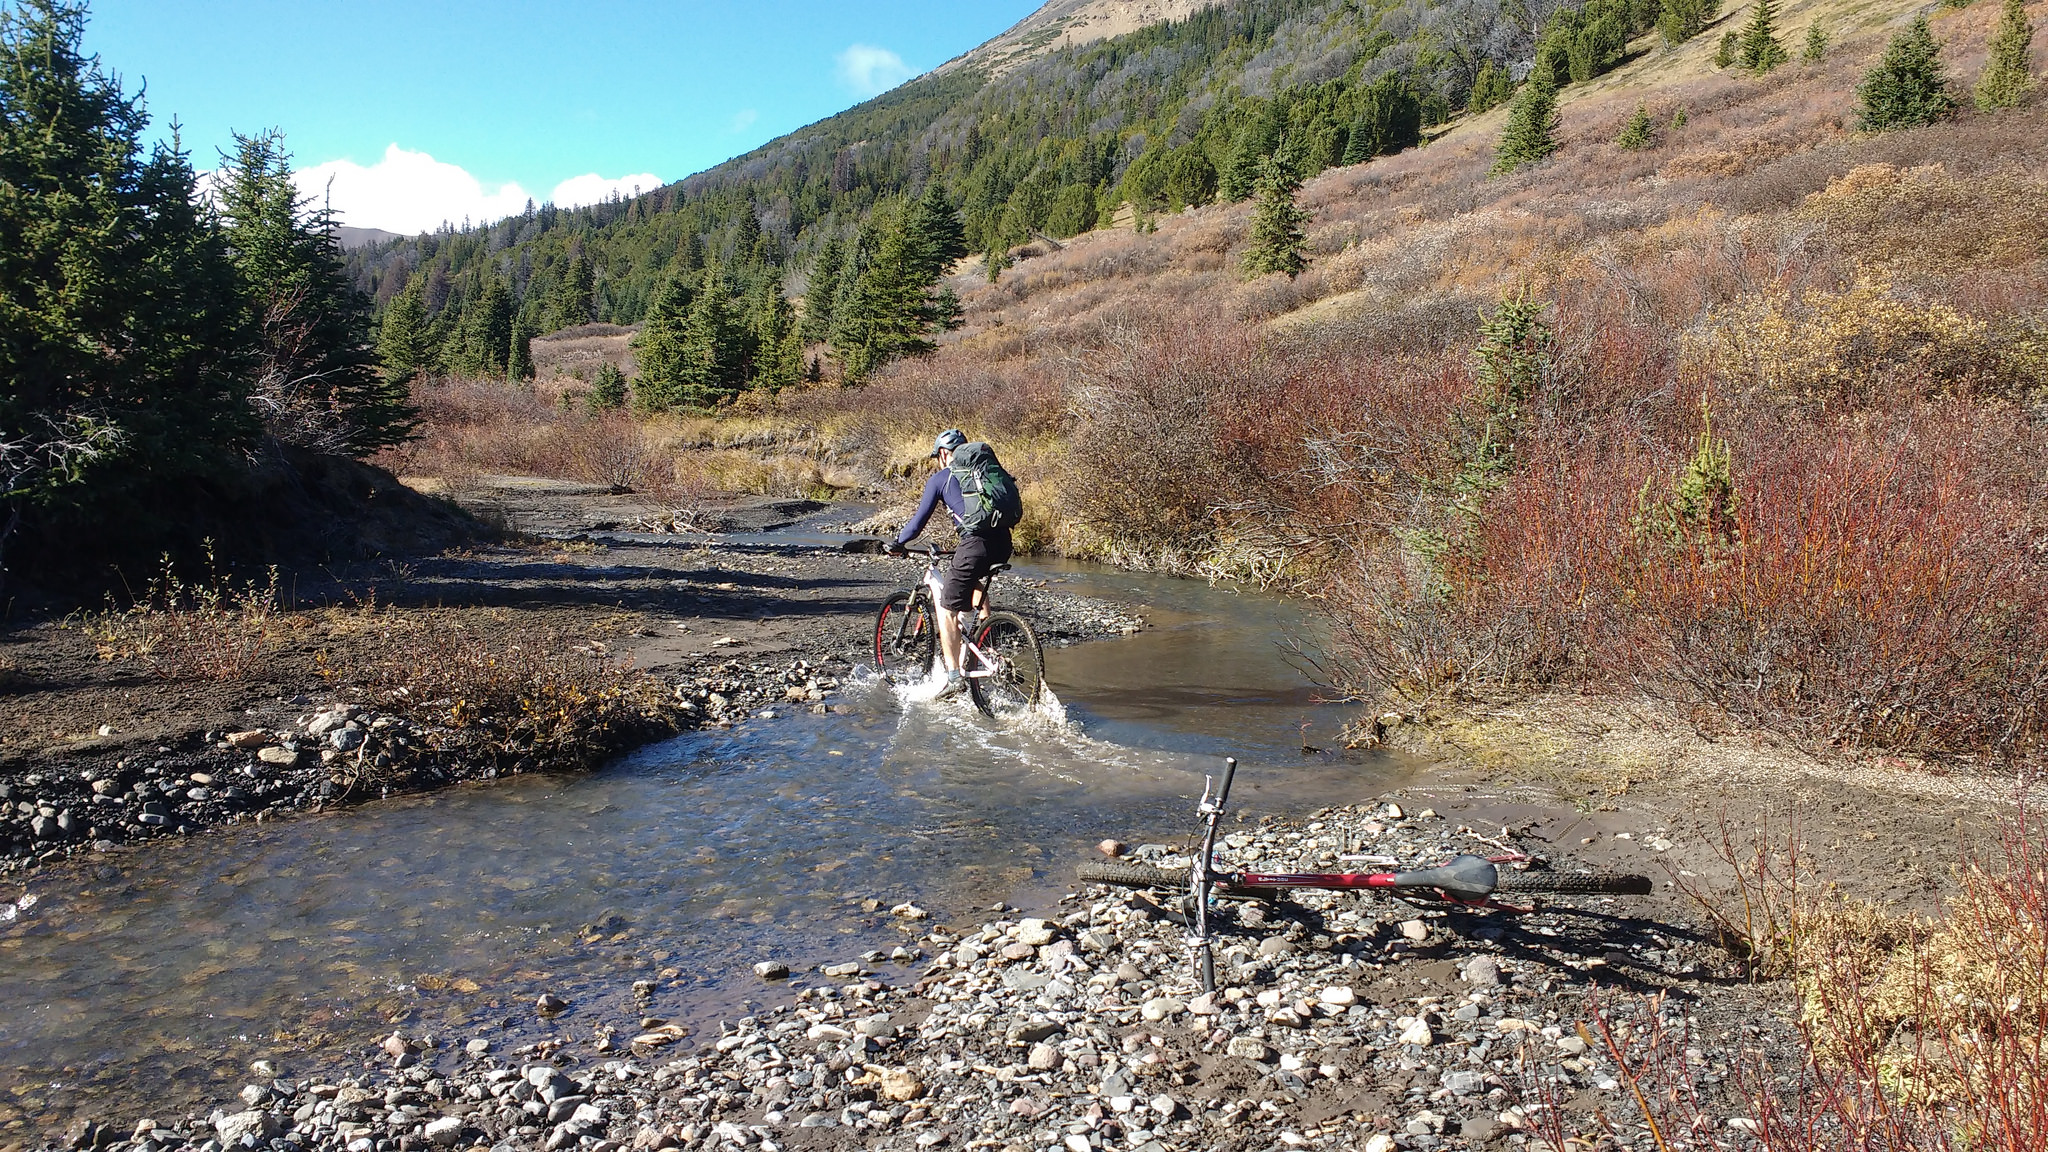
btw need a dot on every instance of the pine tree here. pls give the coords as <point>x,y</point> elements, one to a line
<point>575,295</point>
<point>483,336</point>
<point>693,350</point>
<point>608,392</point>
<point>1681,20</point>
<point>1760,49</point>
<point>403,343</point>
<point>1531,131</point>
<point>124,345</point>
<point>816,327</point>
<point>1638,133</point>
<point>935,233</point>
<point>1907,88</point>
<point>659,345</point>
<point>317,383</point>
<point>1816,45</point>
<point>1276,241</point>
<point>1725,52</point>
<point>1389,119</point>
<point>519,358</point>
<point>1490,89</point>
<point>1258,139</point>
<point>2008,73</point>
<point>890,311</point>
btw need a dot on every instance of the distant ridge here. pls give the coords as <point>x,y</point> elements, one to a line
<point>353,238</point>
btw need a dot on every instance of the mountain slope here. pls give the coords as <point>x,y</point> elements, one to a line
<point>1069,24</point>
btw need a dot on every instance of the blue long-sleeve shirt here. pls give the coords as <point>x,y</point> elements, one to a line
<point>941,486</point>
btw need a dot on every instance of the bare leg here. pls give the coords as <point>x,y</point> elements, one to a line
<point>952,644</point>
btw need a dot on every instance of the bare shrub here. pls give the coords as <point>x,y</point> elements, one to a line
<point>515,707</point>
<point>212,627</point>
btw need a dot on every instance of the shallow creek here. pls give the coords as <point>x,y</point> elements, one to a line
<point>149,980</point>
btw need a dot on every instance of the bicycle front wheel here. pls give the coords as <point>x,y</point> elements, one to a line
<point>1014,675</point>
<point>906,635</point>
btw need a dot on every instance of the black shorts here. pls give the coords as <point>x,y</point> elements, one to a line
<point>972,560</point>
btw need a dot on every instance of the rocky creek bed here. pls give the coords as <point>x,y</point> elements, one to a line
<point>1341,1021</point>
<point>98,753</point>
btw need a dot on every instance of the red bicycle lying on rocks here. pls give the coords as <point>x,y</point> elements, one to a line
<point>1464,879</point>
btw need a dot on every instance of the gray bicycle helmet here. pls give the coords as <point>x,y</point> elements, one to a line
<point>948,440</point>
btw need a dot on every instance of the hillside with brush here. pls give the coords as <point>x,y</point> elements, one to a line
<point>1744,411</point>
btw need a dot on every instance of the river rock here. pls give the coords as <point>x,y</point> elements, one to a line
<point>1248,1048</point>
<point>1340,996</point>
<point>1036,933</point>
<point>1380,1142</point>
<point>1483,971</point>
<point>771,970</point>
<point>254,1122</point>
<point>253,738</point>
<point>1159,1009</point>
<point>1043,1058</point>
<point>443,1133</point>
<point>901,1084</point>
<point>550,1003</point>
<point>1418,1032</point>
<point>1415,930</point>
<point>277,755</point>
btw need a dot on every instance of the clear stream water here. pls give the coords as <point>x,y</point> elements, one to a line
<point>150,980</point>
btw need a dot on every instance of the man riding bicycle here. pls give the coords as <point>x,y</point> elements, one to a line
<point>982,546</point>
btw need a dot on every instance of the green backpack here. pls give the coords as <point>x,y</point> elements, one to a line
<point>993,503</point>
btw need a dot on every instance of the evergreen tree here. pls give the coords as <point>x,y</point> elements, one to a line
<point>1637,134</point>
<point>935,234</point>
<point>1276,241</point>
<point>1816,45</point>
<point>316,383</point>
<point>1490,89</point>
<point>124,342</point>
<point>484,338</point>
<point>575,295</point>
<point>816,326</point>
<point>403,343</point>
<point>1389,119</point>
<point>659,345</point>
<point>1760,50</point>
<point>1531,131</point>
<point>1681,20</point>
<point>1725,52</point>
<point>890,312</point>
<point>519,359</point>
<point>1907,88</point>
<point>608,392</point>
<point>716,346</point>
<point>1256,140</point>
<point>2008,73</point>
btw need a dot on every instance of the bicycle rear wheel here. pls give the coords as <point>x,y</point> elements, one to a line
<point>1573,883</point>
<point>1018,677</point>
<point>906,635</point>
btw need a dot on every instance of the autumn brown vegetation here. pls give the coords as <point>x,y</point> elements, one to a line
<point>1769,442</point>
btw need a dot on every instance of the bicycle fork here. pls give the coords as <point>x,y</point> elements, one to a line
<point>1203,873</point>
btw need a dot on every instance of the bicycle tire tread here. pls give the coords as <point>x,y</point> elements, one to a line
<point>1574,883</point>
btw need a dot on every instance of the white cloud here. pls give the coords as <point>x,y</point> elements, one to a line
<point>591,188</point>
<point>413,192</point>
<point>871,71</point>
<point>744,119</point>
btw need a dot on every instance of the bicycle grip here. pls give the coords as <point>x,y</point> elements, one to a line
<point>1229,771</point>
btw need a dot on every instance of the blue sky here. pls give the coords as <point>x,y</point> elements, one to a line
<point>433,109</point>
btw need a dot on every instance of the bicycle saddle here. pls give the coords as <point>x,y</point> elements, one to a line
<point>1465,877</point>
